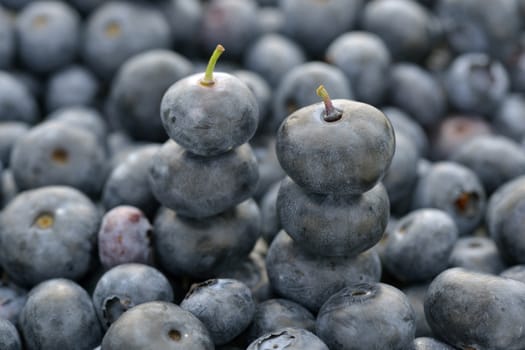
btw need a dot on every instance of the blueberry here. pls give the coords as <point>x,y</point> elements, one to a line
<point>310,280</point>
<point>7,39</point>
<point>297,89</point>
<point>47,232</point>
<point>478,254</point>
<point>417,92</point>
<point>333,225</point>
<point>344,156</point>
<point>314,25</point>
<point>474,27</point>
<point>51,28</point>
<point>54,153</point>
<point>509,120</point>
<point>137,89</point>
<point>401,176</point>
<point>86,118</point>
<point>59,315</point>
<point>289,339</point>
<point>73,85</point>
<point>407,28</point>
<point>124,237</point>
<point>9,337</point>
<point>229,22</point>
<point>198,186</point>
<point>455,189</point>
<point>367,316</point>
<point>230,299</point>
<point>365,59</point>
<point>426,343</point>
<point>495,159</point>
<point>125,286</point>
<point>185,20</point>
<point>458,299</point>
<point>128,182</point>
<point>261,91</point>
<point>117,30</point>
<point>419,246</point>
<point>275,314</point>
<point>10,132</point>
<point>272,56</point>
<point>406,125</point>
<point>504,219</point>
<point>210,114</point>
<point>454,131</point>
<point>270,20</point>
<point>252,272</point>
<point>16,101</point>
<point>476,83</point>
<point>157,325</point>
<point>196,247</point>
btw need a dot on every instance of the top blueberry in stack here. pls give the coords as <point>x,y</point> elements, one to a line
<point>207,167</point>
<point>209,115</point>
<point>332,204</point>
<point>343,147</point>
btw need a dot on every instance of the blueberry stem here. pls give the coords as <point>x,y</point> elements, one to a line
<point>208,74</point>
<point>331,113</point>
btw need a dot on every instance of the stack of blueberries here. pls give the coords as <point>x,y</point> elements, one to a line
<point>349,175</point>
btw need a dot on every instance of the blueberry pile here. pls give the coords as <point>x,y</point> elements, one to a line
<point>349,175</point>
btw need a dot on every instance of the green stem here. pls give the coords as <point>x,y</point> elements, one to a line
<point>331,113</point>
<point>208,80</point>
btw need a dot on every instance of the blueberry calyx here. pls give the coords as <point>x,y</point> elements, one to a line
<point>332,113</point>
<point>44,220</point>
<point>208,80</point>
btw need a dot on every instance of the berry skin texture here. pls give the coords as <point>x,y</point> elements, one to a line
<point>210,119</point>
<point>124,237</point>
<point>347,156</point>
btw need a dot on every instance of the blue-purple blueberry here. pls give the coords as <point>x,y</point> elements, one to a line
<point>125,286</point>
<point>367,316</point>
<point>345,156</point>
<point>288,339</point>
<point>475,310</point>
<point>332,225</point>
<point>59,314</point>
<point>230,299</point>
<point>309,279</point>
<point>157,325</point>
<point>198,186</point>
<point>48,232</point>
<point>199,247</point>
